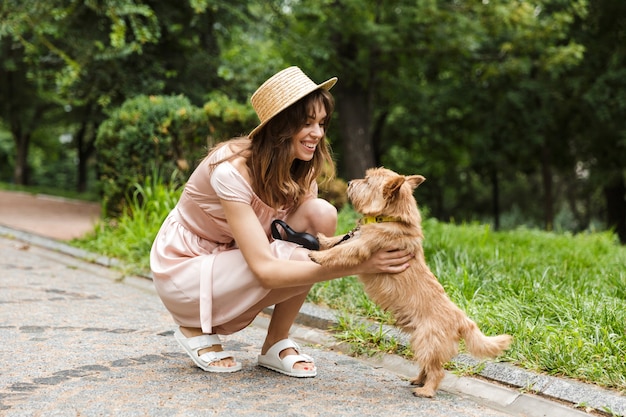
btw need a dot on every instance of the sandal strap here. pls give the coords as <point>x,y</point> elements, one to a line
<point>210,357</point>
<point>282,345</point>
<point>291,360</point>
<point>203,341</point>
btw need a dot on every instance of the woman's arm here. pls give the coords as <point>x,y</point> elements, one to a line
<point>277,273</point>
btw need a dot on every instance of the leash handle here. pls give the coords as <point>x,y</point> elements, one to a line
<point>306,240</point>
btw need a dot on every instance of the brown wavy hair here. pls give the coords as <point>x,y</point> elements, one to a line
<point>278,183</point>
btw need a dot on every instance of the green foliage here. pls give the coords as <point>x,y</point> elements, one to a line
<point>368,340</point>
<point>65,31</point>
<point>129,237</point>
<point>6,156</point>
<point>166,133</point>
<point>512,109</point>
<point>163,133</point>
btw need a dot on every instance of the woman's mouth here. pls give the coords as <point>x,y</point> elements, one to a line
<point>310,146</point>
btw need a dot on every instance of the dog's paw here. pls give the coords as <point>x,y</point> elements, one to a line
<point>322,258</point>
<point>417,382</point>
<point>314,256</point>
<point>424,392</point>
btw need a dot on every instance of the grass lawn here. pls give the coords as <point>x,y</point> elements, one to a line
<point>562,297</point>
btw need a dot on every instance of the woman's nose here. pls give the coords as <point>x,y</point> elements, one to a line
<point>317,131</point>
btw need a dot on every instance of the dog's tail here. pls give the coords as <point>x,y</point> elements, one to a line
<point>481,346</point>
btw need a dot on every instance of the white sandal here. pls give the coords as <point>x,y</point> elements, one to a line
<point>271,360</point>
<point>194,344</point>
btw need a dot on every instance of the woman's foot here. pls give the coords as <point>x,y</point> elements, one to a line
<point>305,366</point>
<point>285,357</point>
<point>225,364</point>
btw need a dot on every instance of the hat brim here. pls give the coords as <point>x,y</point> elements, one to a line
<point>326,85</point>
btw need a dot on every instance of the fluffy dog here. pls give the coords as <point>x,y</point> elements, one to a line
<point>415,297</point>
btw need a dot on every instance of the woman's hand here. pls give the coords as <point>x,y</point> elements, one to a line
<point>387,262</point>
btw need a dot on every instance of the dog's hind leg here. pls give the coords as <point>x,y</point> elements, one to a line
<point>432,348</point>
<point>419,379</point>
<point>433,374</point>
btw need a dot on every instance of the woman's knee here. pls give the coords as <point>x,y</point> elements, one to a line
<point>315,216</point>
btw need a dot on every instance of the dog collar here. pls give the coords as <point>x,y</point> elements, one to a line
<point>378,219</point>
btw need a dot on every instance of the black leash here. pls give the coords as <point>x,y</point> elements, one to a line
<point>306,240</point>
<point>347,236</point>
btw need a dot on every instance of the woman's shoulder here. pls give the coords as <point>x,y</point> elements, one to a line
<point>237,159</point>
<point>239,163</point>
<point>227,162</point>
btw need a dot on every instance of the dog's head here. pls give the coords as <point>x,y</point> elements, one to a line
<point>385,193</point>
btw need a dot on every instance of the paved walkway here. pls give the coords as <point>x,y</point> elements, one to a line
<point>79,338</point>
<point>49,216</point>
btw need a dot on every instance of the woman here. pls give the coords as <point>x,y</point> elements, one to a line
<point>214,263</point>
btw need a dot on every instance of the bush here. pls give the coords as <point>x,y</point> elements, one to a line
<point>335,192</point>
<point>164,134</point>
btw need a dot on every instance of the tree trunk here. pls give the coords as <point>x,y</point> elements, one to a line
<point>548,198</point>
<point>495,198</point>
<point>85,145</point>
<point>615,195</point>
<point>377,137</point>
<point>20,171</point>
<point>358,152</point>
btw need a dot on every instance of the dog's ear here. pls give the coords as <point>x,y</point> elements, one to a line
<point>392,186</point>
<point>415,180</point>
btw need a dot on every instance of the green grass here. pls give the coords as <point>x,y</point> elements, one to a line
<point>562,296</point>
<point>129,237</point>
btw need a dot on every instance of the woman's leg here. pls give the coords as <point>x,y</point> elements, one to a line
<point>314,216</point>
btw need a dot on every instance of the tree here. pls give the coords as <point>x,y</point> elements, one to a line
<point>55,44</point>
<point>88,56</point>
<point>20,106</point>
<point>600,133</point>
<point>517,75</point>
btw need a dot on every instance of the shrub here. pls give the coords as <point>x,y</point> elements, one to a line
<point>164,134</point>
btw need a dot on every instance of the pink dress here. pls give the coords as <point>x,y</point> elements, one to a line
<point>198,270</point>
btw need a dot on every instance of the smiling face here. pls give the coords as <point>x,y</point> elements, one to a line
<point>305,141</point>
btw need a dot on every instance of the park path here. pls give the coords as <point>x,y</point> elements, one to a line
<point>53,217</point>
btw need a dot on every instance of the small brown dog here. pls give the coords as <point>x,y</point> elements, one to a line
<point>415,297</point>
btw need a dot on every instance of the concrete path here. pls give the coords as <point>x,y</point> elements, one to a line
<point>54,217</point>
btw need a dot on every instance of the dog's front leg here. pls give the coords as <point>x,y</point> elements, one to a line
<point>346,254</point>
<point>327,242</point>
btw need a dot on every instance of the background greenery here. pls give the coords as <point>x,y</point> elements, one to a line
<point>512,109</point>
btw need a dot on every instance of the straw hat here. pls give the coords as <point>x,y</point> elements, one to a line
<point>281,91</point>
